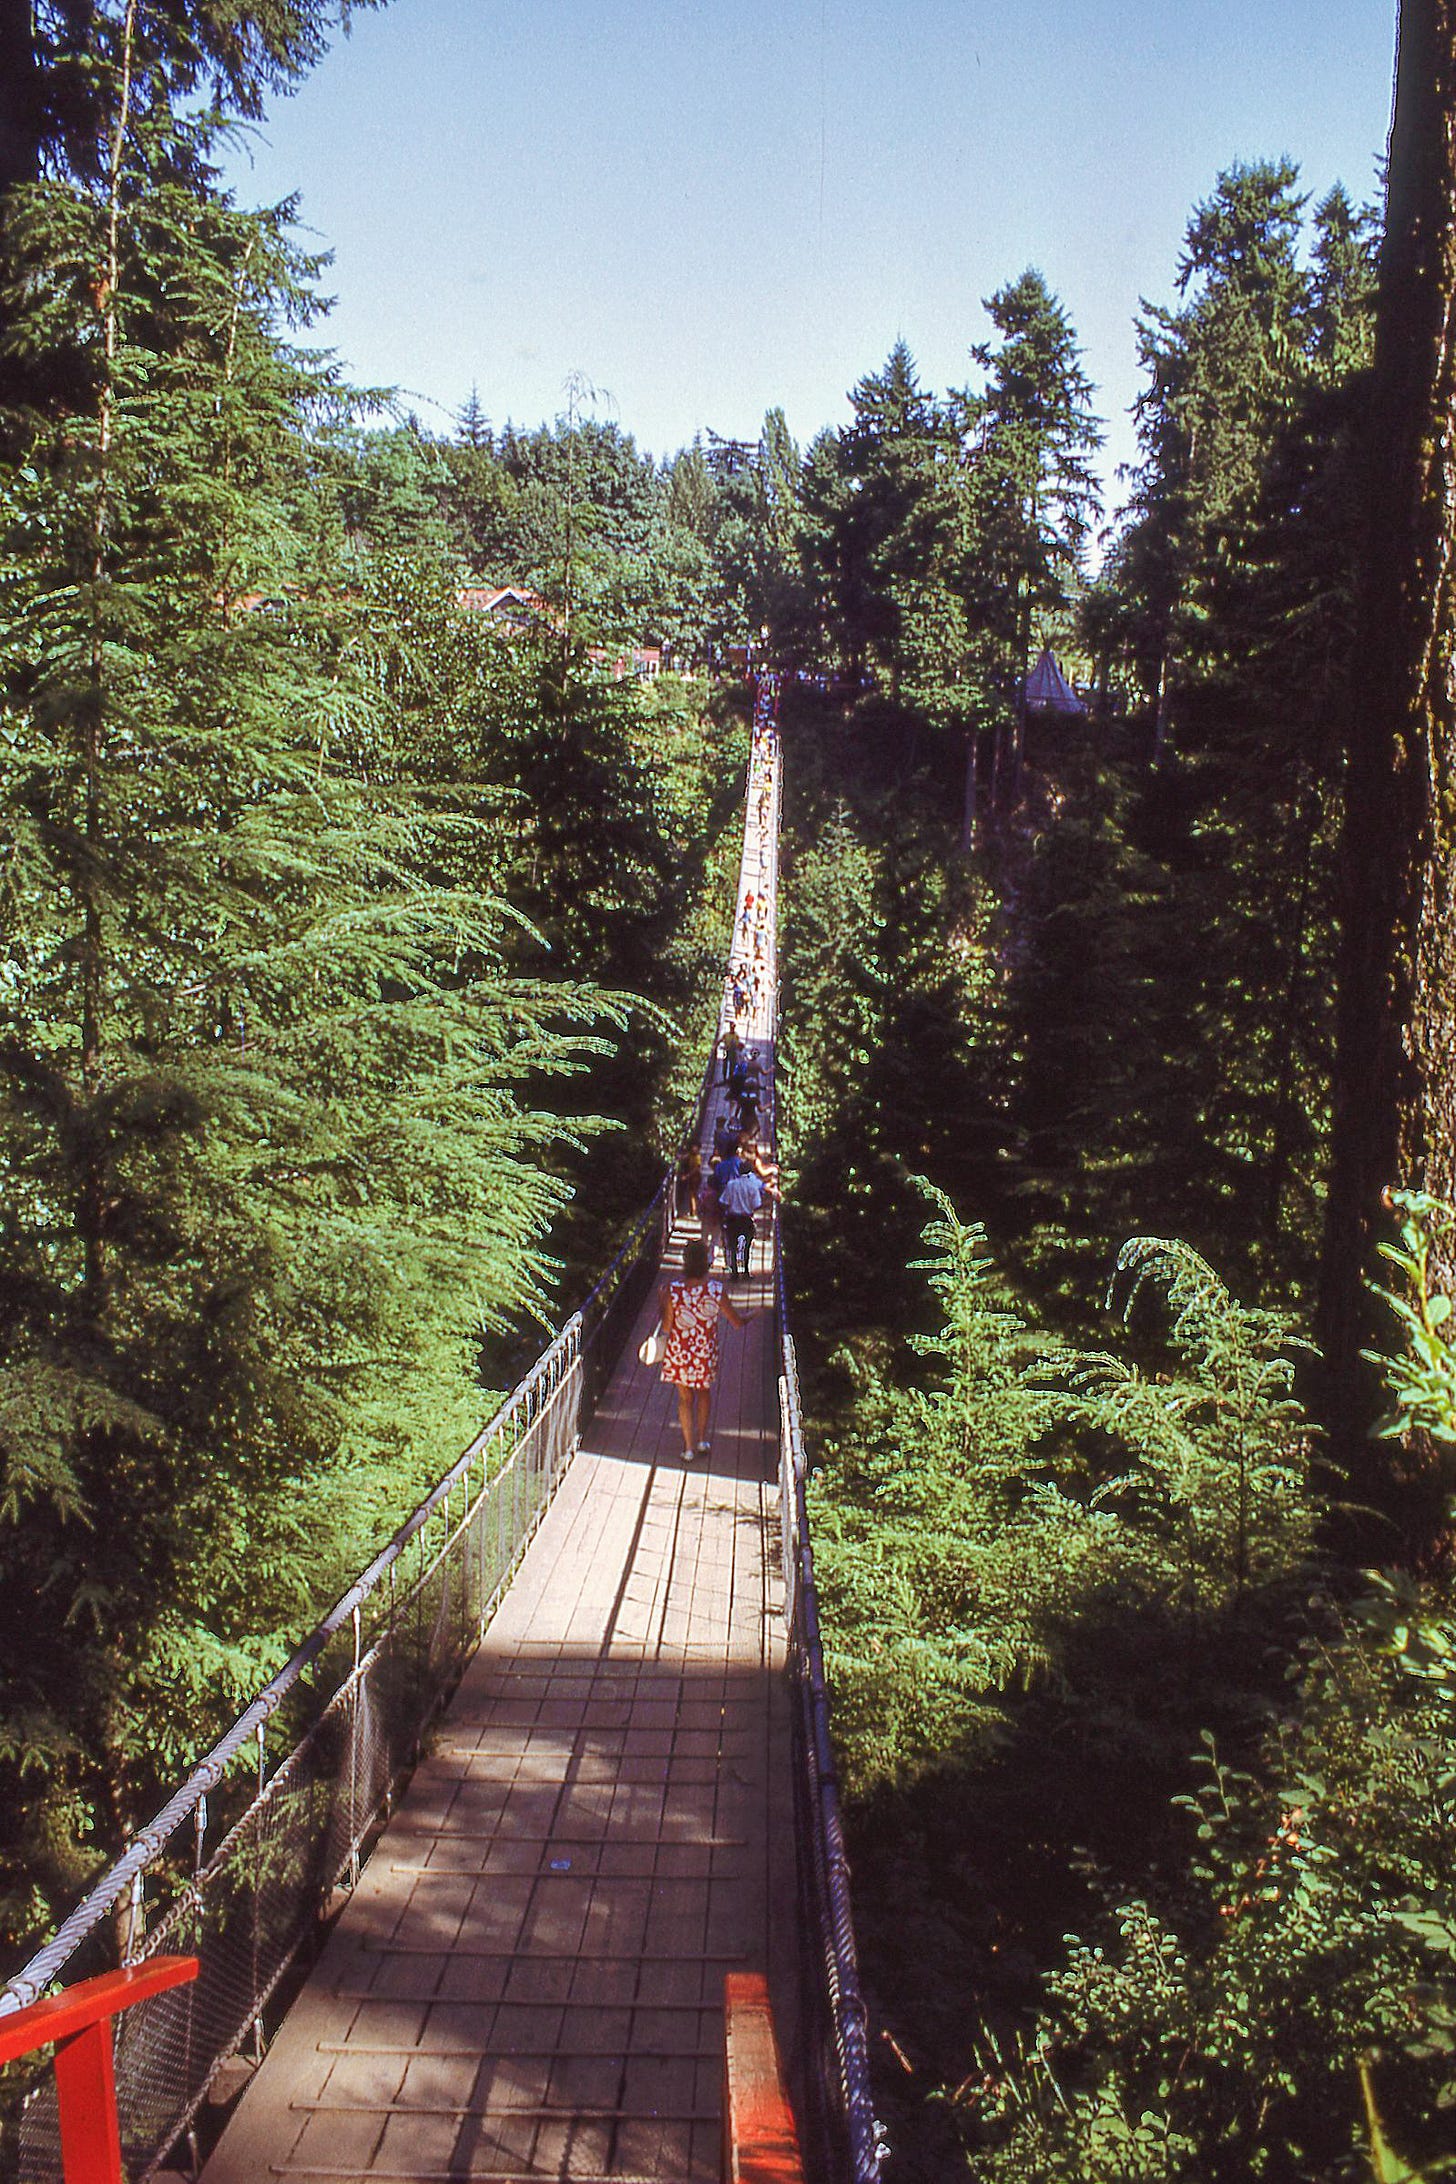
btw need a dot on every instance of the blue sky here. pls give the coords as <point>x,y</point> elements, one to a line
<point>707,208</point>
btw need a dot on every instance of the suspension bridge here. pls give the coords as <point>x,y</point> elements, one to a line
<point>553,1777</point>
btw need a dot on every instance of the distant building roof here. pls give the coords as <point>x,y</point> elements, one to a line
<point>509,603</point>
<point>1048,690</point>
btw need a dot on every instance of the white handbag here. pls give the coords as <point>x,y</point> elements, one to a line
<point>653,1350</point>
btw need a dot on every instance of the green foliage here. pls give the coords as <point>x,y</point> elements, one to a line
<point>1422,1377</point>
<point>1067,1488</point>
<point>882,966</point>
<point>906,1516</point>
<point>879,524</point>
<point>1235,2028</point>
<point>941,537</point>
<point>755,524</point>
<point>1226,1425</point>
<point>1168,1006</point>
<point>1029,496</point>
<point>1275,1996</point>
<point>621,550</point>
<point>58,109</point>
<point>1043,1576</point>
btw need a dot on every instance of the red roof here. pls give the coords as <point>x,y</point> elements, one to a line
<point>491,598</point>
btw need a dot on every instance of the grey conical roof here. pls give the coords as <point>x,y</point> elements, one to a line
<point>1048,690</point>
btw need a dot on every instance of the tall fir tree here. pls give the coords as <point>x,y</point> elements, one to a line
<point>879,519</point>
<point>1028,499</point>
<point>1223,368</point>
<point>756,544</point>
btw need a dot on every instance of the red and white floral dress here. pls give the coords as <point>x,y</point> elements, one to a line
<point>691,1357</point>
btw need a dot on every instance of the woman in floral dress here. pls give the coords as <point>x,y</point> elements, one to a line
<point>690,1310</point>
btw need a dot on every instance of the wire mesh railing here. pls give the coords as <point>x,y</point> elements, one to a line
<point>841,2124</point>
<point>353,1704</point>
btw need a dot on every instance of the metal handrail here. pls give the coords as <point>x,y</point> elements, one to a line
<point>830,1877</point>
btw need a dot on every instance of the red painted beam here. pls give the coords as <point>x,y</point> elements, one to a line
<point>760,2141</point>
<point>78,2022</point>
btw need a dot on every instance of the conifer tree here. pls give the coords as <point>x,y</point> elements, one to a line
<point>473,424</point>
<point>756,542</point>
<point>879,520</point>
<point>1028,494</point>
<point>692,492</point>
<point>1223,369</point>
<point>1032,434</point>
<point>56,110</point>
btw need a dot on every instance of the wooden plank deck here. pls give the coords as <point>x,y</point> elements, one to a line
<point>528,1980</point>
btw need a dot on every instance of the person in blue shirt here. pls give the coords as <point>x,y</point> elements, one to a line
<point>726,1167</point>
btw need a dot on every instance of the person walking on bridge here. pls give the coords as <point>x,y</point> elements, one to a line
<point>690,1311</point>
<point>688,1182</point>
<point>740,1198</point>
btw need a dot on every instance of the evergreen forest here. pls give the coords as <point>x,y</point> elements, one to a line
<point>366,890</point>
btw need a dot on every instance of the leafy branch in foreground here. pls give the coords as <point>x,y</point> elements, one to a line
<point>1224,1430</point>
<point>1421,1377</point>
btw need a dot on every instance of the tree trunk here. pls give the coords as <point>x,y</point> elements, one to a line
<point>1160,712</point>
<point>968,807</point>
<point>1395,1070</point>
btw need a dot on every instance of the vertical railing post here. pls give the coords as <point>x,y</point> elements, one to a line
<point>500,1519</point>
<point>354,1753</point>
<point>135,1919</point>
<point>482,1522</point>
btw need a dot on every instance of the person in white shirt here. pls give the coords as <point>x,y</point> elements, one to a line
<point>739,1200</point>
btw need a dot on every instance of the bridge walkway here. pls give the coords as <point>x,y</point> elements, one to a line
<point>527,1980</point>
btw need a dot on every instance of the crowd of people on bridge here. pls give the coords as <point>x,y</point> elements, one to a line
<point>751,979</point>
<point>723,1184</point>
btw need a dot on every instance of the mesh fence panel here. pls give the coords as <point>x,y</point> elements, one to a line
<point>841,2123</point>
